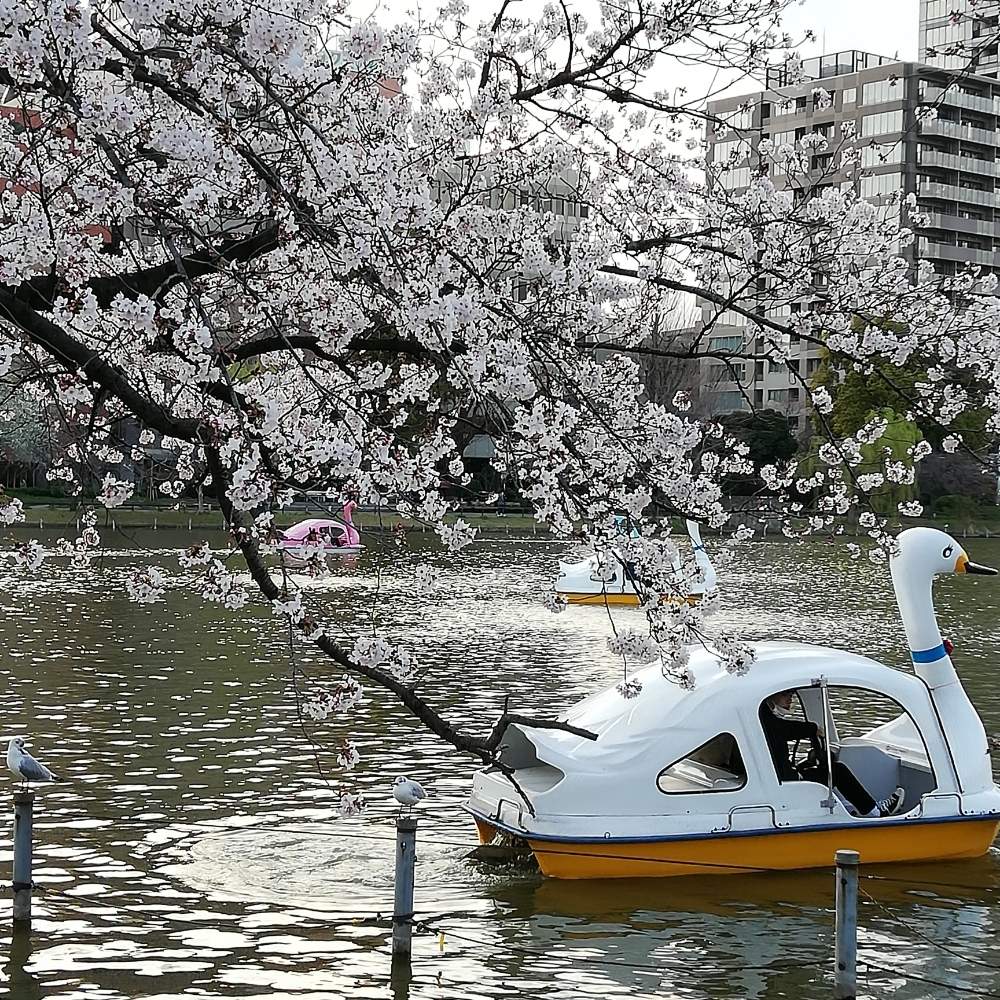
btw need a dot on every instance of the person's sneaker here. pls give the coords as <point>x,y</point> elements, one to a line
<point>892,805</point>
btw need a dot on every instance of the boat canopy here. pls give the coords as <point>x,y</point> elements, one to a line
<point>637,737</point>
<point>299,532</point>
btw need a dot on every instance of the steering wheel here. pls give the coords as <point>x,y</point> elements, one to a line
<point>812,758</point>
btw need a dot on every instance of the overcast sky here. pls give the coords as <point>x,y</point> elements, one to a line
<point>882,26</point>
<point>885,27</point>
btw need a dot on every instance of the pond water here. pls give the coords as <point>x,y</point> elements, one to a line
<point>193,849</point>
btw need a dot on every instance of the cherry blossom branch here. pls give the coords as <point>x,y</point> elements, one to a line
<point>482,747</point>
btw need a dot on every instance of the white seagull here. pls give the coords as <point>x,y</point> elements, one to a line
<point>22,765</point>
<point>407,793</point>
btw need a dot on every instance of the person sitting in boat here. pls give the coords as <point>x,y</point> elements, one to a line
<point>780,730</point>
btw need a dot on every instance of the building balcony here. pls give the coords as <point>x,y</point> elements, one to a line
<point>956,224</point>
<point>961,255</point>
<point>952,161</point>
<point>951,192</point>
<point>955,130</point>
<point>955,98</point>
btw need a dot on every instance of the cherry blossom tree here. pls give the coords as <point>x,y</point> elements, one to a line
<point>308,251</point>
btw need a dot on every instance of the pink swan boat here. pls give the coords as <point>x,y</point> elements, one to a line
<point>334,537</point>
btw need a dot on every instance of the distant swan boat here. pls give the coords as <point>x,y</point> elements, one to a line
<point>594,581</point>
<point>332,537</point>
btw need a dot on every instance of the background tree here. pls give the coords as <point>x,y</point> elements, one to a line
<point>943,477</point>
<point>768,441</point>
<point>25,442</point>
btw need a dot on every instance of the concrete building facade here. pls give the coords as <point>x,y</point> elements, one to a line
<point>952,165</point>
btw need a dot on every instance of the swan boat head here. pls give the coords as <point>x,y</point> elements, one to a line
<point>920,556</point>
<point>935,552</point>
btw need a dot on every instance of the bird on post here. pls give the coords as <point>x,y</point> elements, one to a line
<point>22,765</point>
<point>407,793</point>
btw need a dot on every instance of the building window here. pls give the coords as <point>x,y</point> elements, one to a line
<point>880,184</point>
<point>850,95</point>
<point>882,123</point>
<point>728,401</point>
<point>732,149</point>
<point>734,177</point>
<point>936,37</point>
<point>776,395</point>
<point>715,766</point>
<point>876,155</point>
<point>725,343</point>
<point>725,373</point>
<point>741,119</point>
<point>882,91</point>
<point>939,8</point>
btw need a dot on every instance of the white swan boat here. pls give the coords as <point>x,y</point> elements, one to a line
<point>607,579</point>
<point>680,782</point>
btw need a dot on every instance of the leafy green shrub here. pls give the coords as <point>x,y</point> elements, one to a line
<point>955,505</point>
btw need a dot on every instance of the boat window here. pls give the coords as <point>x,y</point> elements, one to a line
<point>715,766</point>
<point>858,711</point>
<point>876,736</point>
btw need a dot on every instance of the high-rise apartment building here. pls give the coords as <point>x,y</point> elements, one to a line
<point>951,163</point>
<point>960,35</point>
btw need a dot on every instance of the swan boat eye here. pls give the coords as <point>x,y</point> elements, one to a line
<point>948,550</point>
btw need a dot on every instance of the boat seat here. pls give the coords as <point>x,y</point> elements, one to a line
<point>877,770</point>
<point>694,776</point>
<point>917,780</point>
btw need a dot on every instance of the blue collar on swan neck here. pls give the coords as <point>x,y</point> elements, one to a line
<point>929,655</point>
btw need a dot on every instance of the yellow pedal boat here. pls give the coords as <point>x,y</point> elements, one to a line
<point>605,579</point>
<point>683,781</point>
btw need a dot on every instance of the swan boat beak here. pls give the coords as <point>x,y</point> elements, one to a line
<point>963,565</point>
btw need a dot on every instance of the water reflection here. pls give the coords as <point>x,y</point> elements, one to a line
<point>193,850</point>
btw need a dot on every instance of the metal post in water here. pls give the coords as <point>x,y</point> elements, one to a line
<point>845,959</point>
<point>24,804</point>
<point>402,909</point>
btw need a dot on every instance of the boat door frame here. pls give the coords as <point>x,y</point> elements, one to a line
<point>789,799</point>
<point>913,699</point>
